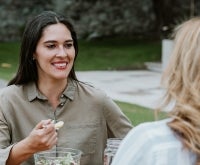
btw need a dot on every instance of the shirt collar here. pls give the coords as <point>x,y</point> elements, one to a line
<point>33,93</point>
<point>70,89</point>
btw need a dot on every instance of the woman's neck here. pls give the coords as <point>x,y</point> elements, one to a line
<point>52,90</point>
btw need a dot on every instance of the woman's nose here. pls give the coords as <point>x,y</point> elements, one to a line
<point>62,52</point>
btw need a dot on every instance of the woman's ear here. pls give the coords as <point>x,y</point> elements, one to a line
<point>34,57</point>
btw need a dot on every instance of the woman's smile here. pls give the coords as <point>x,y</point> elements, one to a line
<point>60,65</point>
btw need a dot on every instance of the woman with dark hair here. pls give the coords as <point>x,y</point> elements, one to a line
<point>27,71</point>
<point>46,89</point>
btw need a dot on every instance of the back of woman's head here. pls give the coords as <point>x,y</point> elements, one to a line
<point>182,76</point>
<point>182,83</point>
<point>27,71</point>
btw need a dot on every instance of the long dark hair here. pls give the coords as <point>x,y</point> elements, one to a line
<point>27,70</point>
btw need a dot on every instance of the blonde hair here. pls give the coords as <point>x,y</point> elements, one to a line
<point>182,82</point>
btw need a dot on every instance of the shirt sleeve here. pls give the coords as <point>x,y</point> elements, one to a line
<point>135,149</point>
<point>5,145</point>
<point>4,153</point>
<point>117,122</point>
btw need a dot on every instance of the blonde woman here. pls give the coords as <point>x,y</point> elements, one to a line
<point>176,140</point>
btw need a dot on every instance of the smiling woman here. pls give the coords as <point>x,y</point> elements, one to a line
<point>46,88</point>
<point>54,57</point>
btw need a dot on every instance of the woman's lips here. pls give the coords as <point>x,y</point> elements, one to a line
<point>60,65</point>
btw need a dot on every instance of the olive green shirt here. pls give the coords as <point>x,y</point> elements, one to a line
<point>90,118</point>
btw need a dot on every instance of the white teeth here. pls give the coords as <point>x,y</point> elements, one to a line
<point>60,65</point>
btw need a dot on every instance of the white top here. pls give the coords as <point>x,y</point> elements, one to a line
<point>153,143</point>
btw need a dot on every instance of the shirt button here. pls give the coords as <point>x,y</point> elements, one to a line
<point>62,96</point>
<point>61,104</point>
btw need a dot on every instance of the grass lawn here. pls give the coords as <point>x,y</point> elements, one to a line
<point>117,54</point>
<point>9,53</point>
<point>138,114</point>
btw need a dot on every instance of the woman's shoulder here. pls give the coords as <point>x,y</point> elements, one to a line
<point>155,125</point>
<point>152,143</point>
<point>152,130</point>
<point>149,135</point>
<point>91,89</point>
<point>10,90</point>
<point>93,94</point>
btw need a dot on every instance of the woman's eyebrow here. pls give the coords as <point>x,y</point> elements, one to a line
<point>54,41</point>
<point>69,40</point>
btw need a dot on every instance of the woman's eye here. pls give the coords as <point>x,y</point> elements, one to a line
<point>51,46</point>
<point>69,45</point>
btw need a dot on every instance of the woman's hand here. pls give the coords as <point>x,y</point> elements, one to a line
<point>42,137</point>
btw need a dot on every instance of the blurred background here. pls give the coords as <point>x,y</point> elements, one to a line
<point>113,34</point>
<point>107,30</point>
<point>101,18</point>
